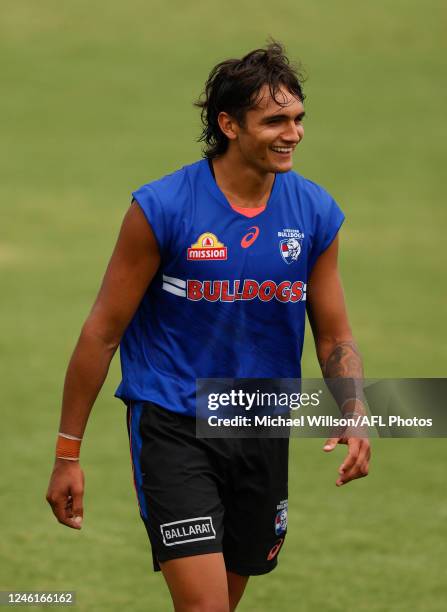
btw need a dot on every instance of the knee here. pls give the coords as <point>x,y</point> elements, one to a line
<point>204,604</point>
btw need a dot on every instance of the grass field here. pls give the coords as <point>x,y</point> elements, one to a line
<point>97,100</point>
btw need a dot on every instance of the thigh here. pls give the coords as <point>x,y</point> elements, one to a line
<point>202,583</point>
<point>197,583</point>
<point>236,588</point>
<point>256,507</point>
<point>177,487</point>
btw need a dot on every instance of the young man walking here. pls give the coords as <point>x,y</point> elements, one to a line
<point>214,268</point>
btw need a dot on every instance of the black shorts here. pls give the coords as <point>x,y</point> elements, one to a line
<point>199,496</point>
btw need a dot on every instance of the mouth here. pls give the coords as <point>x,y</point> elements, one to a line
<point>283,151</point>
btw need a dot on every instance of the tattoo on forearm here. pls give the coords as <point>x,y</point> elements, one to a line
<point>344,361</point>
<point>343,373</point>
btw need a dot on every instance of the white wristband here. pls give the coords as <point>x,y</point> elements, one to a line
<point>69,437</point>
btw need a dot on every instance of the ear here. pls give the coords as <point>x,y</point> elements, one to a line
<point>228,125</point>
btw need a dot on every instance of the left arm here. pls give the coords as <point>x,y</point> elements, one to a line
<point>338,356</point>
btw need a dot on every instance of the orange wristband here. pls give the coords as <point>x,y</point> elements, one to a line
<point>68,447</point>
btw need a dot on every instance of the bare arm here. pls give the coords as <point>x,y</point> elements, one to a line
<point>338,355</point>
<point>334,343</point>
<point>132,266</point>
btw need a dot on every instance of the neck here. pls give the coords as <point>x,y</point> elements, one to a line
<point>243,185</point>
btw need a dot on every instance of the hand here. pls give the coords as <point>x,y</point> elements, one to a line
<point>65,493</point>
<point>356,464</point>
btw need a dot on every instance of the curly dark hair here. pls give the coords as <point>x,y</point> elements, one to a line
<point>233,87</point>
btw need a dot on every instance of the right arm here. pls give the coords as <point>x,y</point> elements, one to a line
<point>133,264</point>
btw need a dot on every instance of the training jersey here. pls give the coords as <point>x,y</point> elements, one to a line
<point>229,298</point>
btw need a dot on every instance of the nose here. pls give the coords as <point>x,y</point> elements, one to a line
<point>294,132</point>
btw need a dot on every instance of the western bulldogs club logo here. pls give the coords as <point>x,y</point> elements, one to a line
<point>290,245</point>
<point>281,517</point>
<point>281,522</point>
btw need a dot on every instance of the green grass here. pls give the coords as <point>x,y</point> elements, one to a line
<point>96,101</point>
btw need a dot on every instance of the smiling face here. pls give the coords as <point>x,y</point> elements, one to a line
<point>270,132</point>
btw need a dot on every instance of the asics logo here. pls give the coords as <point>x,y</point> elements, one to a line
<point>250,237</point>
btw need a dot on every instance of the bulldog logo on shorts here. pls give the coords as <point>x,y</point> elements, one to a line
<point>188,530</point>
<point>281,517</point>
<point>281,522</point>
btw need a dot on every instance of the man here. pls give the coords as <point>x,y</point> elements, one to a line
<point>211,275</point>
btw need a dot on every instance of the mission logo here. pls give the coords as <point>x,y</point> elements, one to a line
<point>207,247</point>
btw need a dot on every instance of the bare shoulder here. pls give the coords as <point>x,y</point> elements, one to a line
<point>132,266</point>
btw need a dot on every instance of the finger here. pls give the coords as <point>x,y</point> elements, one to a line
<point>330,444</point>
<point>364,470</point>
<point>354,449</point>
<point>62,514</point>
<point>69,506</point>
<point>362,455</point>
<point>359,470</point>
<point>77,507</point>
